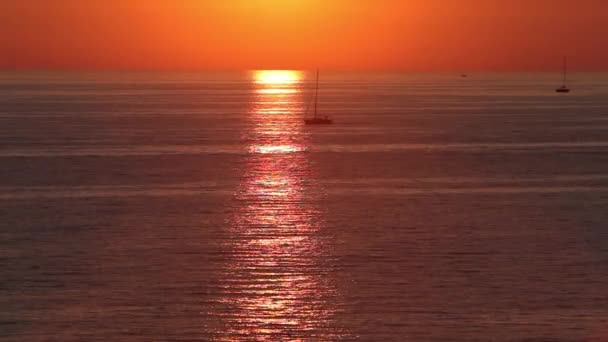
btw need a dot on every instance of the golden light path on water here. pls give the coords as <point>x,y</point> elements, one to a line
<point>279,287</point>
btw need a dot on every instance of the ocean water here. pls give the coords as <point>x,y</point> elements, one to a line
<point>198,207</point>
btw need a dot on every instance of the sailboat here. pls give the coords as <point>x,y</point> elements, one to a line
<point>564,88</point>
<point>316,119</point>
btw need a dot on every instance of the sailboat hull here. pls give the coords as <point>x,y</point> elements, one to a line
<point>562,90</point>
<point>318,121</point>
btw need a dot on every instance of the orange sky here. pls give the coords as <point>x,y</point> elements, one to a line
<point>413,35</point>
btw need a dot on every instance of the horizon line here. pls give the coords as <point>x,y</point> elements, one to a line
<point>362,70</point>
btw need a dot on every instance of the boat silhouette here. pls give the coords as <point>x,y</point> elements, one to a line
<point>316,118</point>
<point>564,88</point>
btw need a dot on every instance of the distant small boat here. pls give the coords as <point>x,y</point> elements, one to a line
<point>316,119</point>
<point>464,75</point>
<point>564,88</point>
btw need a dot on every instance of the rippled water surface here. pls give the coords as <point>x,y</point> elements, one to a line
<point>199,207</point>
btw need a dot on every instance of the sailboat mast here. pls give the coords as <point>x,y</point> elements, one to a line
<point>316,93</point>
<point>565,69</point>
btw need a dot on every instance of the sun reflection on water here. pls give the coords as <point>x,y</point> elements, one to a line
<point>276,149</point>
<point>279,288</point>
<point>269,79</point>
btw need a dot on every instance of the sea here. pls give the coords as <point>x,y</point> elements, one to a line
<point>198,206</point>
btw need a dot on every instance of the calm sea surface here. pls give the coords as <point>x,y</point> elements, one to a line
<point>198,207</point>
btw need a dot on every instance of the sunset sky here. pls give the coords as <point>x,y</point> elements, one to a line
<point>411,35</point>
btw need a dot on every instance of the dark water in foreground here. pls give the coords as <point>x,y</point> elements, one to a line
<point>198,207</point>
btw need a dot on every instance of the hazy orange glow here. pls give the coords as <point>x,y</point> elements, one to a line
<point>303,34</point>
